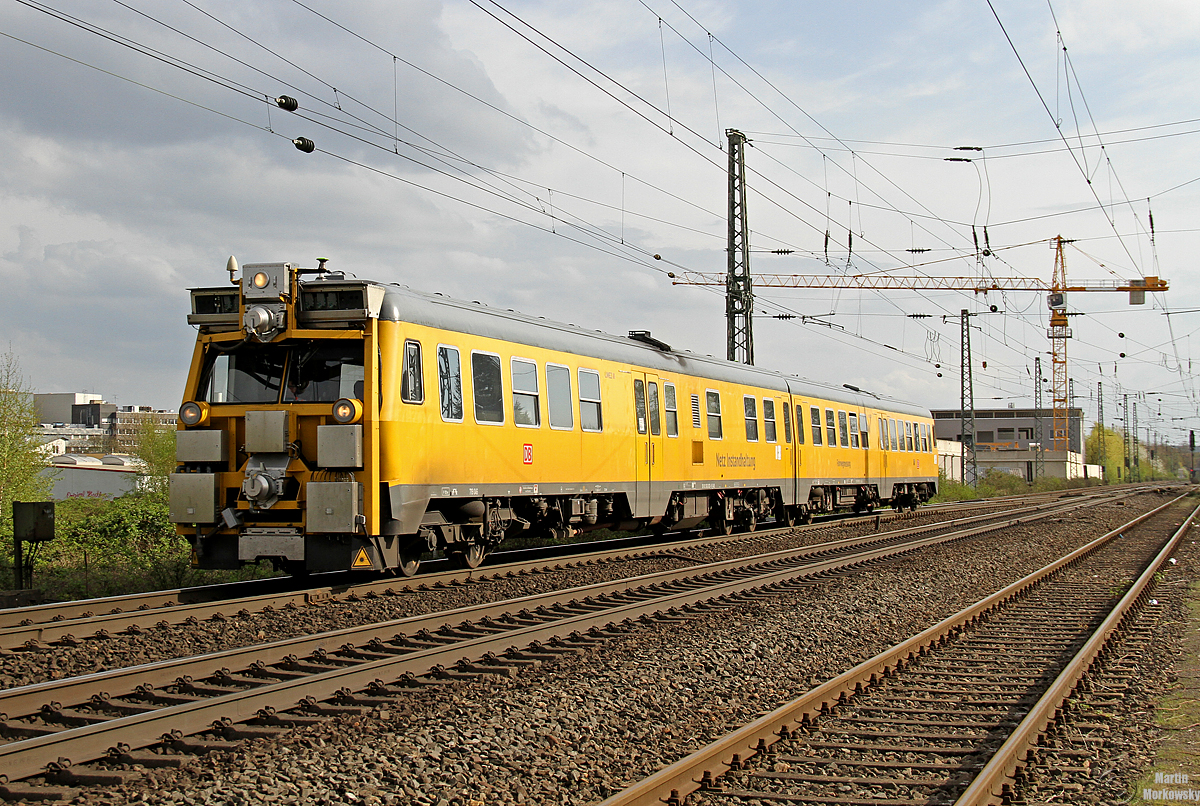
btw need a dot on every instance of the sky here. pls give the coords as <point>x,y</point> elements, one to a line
<point>538,156</point>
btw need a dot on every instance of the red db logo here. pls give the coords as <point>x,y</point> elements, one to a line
<point>527,454</point>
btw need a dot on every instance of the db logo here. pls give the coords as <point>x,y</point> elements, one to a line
<point>527,454</point>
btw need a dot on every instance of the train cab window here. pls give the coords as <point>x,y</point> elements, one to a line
<point>695,411</point>
<point>751,418</point>
<point>558,397</point>
<point>816,425</point>
<point>671,411</point>
<point>412,381</point>
<point>853,431</point>
<point>639,404</point>
<point>843,430</point>
<point>450,383</point>
<point>892,436</point>
<point>925,437</point>
<point>864,424</point>
<point>652,404</point>
<point>590,416</point>
<point>488,388</point>
<point>713,400</point>
<point>908,441</point>
<point>800,426</point>
<point>323,372</point>
<point>883,440</point>
<point>769,420</point>
<point>787,422</point>
<point>526,400</point>
<point>830,429</point>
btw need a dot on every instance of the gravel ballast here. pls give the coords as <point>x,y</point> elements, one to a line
<point>578,729</point>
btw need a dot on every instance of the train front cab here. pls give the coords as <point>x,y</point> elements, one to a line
<point>277,439</point>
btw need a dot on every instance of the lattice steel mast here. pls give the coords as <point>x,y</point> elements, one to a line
<point>1039,456</point>
<point>739,295</point>
<point>966,416</point>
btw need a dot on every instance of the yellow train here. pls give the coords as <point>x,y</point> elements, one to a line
<point>331,423</point>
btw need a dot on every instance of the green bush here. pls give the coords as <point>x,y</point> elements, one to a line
<point>107,547</point>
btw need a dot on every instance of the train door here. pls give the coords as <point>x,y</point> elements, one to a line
<point>647,403</point>
<point>784,446</point>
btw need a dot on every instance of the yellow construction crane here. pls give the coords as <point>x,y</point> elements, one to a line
<point>1056,290</point>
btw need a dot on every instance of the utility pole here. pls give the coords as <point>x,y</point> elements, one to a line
<point>966,414</point>
<point>1192,463</point>
<point>1125,435</point>
<point>1100,416</point>
<point>739,295</point>
<point>1070,408</point>
<point>1137,464</point>
<point>1039,456</point>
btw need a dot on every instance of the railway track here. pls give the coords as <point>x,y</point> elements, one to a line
<point>252,691</point>
<point>70,623</point>
<point>952,715</point>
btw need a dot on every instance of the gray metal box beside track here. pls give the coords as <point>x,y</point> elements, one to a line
<point>200,446</point>
<point>266,431</point>
<point>193,497</point>
<point>339,445</point>
<point>333,506</point>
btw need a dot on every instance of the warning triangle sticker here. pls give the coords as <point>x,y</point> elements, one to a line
<point>361,560</point>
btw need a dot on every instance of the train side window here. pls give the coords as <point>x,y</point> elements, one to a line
<point>769,420</point>
<point>864,423</point>
<point>487,388</point>
<point>787,422</point>
<point>892,435</point>
<point>652,402</point>
<point>883,442</point>
<point>639,403</point>
<point>672,412</point>
<point>412,383</point>
<point>908,435</point>
<point>558,397</point>
<point>590,416</point>
<point>800,426</point>
<point>713,400</point>
<point>925,437</point>
<point>751,418</point>
<point>843,430</point>
<point>526,400</point>
<point>695,411</point>
<point>830,429</point>
<point>816,425</point>
<point>853,431</point>
<point>450,383</point>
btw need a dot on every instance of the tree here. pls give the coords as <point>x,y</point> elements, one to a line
<point>22,458</point>
<point>156,448</point>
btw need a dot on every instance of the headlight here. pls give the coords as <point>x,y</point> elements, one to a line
<point>347,410</point>
<point>261,279</point>
<point>192,413</point>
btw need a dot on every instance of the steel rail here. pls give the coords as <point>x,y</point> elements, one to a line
<point>24,758</point>
<point>57,612</point>
<point>989,785</point>
<point>27,699</point>
<point>675,782</point>
<point>134,621</point>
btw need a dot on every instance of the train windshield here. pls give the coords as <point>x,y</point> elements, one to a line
<point>304,372</point>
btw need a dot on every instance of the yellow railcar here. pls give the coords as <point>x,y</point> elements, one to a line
<point>331,423</point>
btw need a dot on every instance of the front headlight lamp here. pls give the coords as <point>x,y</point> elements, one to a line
<point>192,413</point>
<point>261,279</point>
<point>347,410</point>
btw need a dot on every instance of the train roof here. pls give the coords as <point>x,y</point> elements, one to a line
<point>403,304</point>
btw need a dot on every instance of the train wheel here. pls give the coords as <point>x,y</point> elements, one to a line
<point>471,558</point>
<point>748,523</point>
<point>410,559</point>
<point>787,517</point>
<point>723,527</point>
<point>808,517</point>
